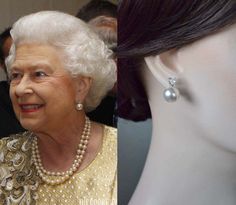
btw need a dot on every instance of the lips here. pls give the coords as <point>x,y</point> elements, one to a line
<point>30,107</point>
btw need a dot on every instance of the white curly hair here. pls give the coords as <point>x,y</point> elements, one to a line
<point>85,54</point>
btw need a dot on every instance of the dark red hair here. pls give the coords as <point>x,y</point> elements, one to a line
<point>150,27</point>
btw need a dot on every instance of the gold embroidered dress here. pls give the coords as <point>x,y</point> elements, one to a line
<point>20,184</point>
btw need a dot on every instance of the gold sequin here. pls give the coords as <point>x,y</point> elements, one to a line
<point>95,185</point>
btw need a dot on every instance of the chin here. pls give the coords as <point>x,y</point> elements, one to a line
<point>30,125</point>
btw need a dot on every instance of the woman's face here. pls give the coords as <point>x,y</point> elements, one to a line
<point>209,66</point>
<point>43,93</point>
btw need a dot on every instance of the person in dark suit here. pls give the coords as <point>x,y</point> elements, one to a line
<point>101,15</point>
<point>8,122</point>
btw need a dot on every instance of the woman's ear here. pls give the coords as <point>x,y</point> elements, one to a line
<point>83,85</point>
<point>164,66</point>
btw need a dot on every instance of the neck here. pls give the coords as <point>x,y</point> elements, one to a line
<point>60,144</point>
<point>183,166</point>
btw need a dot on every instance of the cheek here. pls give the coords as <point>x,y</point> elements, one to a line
<point>214,108</point>
<point>60,94</point>
<point>210,70</point>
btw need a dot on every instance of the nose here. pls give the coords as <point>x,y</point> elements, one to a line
<point>23,87</point>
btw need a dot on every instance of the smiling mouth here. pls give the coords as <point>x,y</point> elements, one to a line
<point>30,107</point>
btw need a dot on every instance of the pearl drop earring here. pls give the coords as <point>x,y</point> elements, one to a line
<point>171,94</point>
<point>79,106</point>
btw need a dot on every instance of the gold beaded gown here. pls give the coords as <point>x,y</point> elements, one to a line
<point>20,185</point>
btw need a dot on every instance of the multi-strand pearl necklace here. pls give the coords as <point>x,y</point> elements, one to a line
<point>54,178</point>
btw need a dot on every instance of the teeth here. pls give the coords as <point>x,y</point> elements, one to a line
<point>30,107</point>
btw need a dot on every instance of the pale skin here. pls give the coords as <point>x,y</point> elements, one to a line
<point>44,96</point>
<point>193,150</point>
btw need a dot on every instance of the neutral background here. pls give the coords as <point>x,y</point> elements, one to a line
<point>11,10</point>
<point>134,140</point>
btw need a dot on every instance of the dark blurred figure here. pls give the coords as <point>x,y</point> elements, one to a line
<point>8,122</point>
<point>97,8</point>
<point>5,45</point>
<point>102,16</point>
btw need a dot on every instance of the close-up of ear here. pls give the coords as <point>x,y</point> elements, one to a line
<point>83,85</point>
<point>164,66</point>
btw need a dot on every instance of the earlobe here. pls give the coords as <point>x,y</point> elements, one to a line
<point>166,69</point>
<point>83,87</point>
<point>163,66</point>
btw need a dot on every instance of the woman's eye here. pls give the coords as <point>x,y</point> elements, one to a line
<point>40,74</point>
<point>15,76</point>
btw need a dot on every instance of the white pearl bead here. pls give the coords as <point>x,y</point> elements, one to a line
<point>62,176</point>
<point>170,94</point>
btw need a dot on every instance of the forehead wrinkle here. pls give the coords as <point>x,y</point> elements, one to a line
<point>35,56</point>
<point>33,65</point>
<point>37,52</point>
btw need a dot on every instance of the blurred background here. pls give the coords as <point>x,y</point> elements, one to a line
<point>133,143</point>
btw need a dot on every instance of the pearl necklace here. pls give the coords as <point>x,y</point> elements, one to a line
<point>55,178</point>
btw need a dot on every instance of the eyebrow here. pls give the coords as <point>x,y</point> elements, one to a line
<point>33,66</point>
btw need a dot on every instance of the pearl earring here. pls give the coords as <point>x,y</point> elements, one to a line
<point>79,106</point>
<point>171,94</point>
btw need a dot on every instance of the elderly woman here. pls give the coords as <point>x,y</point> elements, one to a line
<point>59,69</point>
<point>179,60</point>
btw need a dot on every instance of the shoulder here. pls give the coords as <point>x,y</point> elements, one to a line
<point>110,131</point>
<point>15,142</point>
<point>16,169</point>
<point>110,141</point>
<point>15,151</point>
<point>110,135</point>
